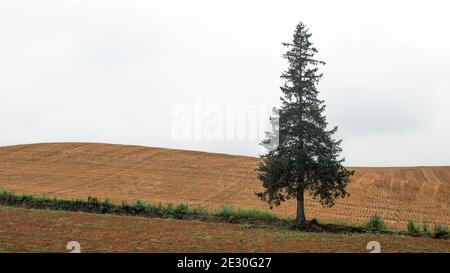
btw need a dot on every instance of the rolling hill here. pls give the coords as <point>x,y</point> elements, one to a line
<point>128,173</point>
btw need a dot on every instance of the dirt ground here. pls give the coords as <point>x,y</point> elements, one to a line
<point>27,230</point>
<point>121,172</point>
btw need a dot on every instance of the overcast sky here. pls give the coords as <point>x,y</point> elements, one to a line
<point>139,72</point>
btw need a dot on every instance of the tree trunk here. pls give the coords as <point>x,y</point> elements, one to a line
<point>301,219</point>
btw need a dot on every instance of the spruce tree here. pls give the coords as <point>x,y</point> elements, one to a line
<point>306,159</point>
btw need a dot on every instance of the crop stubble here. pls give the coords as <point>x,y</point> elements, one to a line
<point>128,173</point>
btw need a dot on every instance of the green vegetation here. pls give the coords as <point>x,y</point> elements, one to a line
<point>413,228</point>
<point>305,156</point>
<point>230,212</point>
<point>426,230</point>
<point>93,205</point>
<point>375,224</point>
<point>243,216</point>
<point>441,232</point>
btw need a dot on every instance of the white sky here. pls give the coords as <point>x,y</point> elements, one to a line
<point>114,71</point>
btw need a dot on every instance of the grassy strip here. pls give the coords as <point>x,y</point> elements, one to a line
<point>231,212</point>
<point>139,208</point>
<point>227,213</point>
<point>439,231</point>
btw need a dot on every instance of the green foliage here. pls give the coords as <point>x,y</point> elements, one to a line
<point>307,156</point>
<point>169,209</point>
<point>375,224</point>
<point>93,205</point>
<point>426,229</point>
<point>124,206</point>
<point>441,232</point>
<point>181,209</point>
<point>413,228</point>
<point>230,212</point>
<point>140,207</point>
<point>199,211</point>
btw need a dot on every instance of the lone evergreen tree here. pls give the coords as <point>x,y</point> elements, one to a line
<point>307,157</point>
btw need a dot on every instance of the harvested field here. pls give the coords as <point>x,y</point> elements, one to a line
<point>27,230</point>
<point>121,172</point>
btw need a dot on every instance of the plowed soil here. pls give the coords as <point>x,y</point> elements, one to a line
<point>121,172</point>
<point>27,230</point>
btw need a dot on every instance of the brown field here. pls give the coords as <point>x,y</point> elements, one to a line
<point>120,172</point>
<point>27,230</point>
